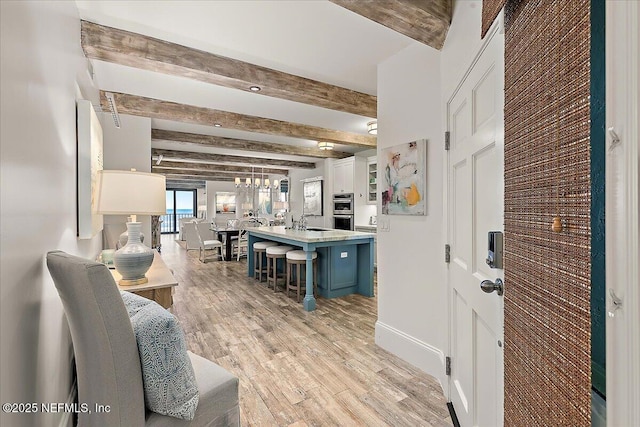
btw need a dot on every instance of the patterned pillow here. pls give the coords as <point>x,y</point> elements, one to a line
<point>169,382</point>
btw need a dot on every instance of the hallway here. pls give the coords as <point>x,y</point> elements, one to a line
<point>300,368</point>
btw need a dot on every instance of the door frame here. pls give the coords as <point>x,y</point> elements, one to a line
<point>622,206</point>
<point>496,28</point>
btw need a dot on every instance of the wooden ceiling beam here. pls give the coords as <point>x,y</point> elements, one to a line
<point>197,176</point>
<point>148,53</point>
<point>425,21</point>
<point>190,156</point>
<point>185,184</point>
<point>166,110</point>
<point>187,175</point>
<point>244,145</point>
<point>218,169</point>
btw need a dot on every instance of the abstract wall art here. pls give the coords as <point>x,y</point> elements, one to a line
<point>404,179</point>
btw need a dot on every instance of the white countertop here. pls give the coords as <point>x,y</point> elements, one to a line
<point>310,236</point>
<point>371,227</point>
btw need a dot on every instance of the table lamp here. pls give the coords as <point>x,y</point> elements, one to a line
<point>131,193</point>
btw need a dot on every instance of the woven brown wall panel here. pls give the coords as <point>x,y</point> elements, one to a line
<point>547,274</point>
<point>490,10</point>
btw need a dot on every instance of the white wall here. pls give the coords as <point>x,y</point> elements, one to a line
<point>212,187</point>
<point>201,198</point>
<point>126,148</point>
<point>462,44</point>
<point>41,64</point>
<point>411,290</point>
<point>296,197</point>
<point>413,88</point>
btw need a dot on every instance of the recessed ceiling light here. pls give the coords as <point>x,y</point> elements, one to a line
<point>255,88</point>
<point>218,125</point>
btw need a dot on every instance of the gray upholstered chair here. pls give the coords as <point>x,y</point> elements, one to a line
<point>107,359</point>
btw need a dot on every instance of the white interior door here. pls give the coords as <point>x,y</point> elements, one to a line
<point>475,207</point>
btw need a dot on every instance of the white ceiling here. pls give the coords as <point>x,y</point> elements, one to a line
<point>309,38</point>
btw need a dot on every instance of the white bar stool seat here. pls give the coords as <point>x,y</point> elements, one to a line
<point>298,260</point>
<point>300,255</point>
<point>274,253</point>
<point>260,248</point>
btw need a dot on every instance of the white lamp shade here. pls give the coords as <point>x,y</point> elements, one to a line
<point>130,193</point>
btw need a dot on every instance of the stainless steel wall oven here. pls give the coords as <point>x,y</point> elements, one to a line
<point>343,211</point>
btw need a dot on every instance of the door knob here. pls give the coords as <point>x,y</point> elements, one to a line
<point>488,286</point>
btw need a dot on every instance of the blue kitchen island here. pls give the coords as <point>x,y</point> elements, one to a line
<point>345,259</point>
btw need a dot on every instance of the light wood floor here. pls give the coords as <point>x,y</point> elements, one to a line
<point>297,368</point>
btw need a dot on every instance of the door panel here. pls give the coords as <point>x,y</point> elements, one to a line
<point>486,372</point>
<point>484,100</point>
<point>486,198</point>
<point>462,345</point>
<point>475,207</point>
<point>460,125</point>
<point>462,221</point>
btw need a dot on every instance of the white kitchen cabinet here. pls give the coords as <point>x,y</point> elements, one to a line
<point>343,175</point>
<point>347,175</point>
<point>372,180</point>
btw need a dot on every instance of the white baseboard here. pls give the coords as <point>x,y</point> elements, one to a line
<point>418,353</point>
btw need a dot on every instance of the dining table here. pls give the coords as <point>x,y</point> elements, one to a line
<point>225,235</point>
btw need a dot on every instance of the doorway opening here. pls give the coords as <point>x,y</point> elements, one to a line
<point>180,204</point>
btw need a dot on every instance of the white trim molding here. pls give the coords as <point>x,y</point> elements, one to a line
<point>416,352</point>
<point>622,211</point>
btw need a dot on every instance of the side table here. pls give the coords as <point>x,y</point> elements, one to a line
<point>160,286</point>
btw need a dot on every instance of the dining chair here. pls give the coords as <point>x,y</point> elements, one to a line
<point>214,227</point>
<point>242,243</point>
<point>191,236</point>
<point>182,222</point>
<point>207,241</point>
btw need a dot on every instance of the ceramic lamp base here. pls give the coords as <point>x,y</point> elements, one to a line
<point>133,260</point>
<point>124,238</point>
<point>134,282</point>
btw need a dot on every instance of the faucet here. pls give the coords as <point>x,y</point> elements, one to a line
<point>302,224</point>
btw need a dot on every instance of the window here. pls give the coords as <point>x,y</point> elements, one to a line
<point>180,204</point>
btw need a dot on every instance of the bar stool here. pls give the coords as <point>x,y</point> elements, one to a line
<point>299,259</point>
<point>260,248</point>
<point>274,253</point>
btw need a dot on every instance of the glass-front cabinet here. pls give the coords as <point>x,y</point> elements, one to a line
<point>372,180</point>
